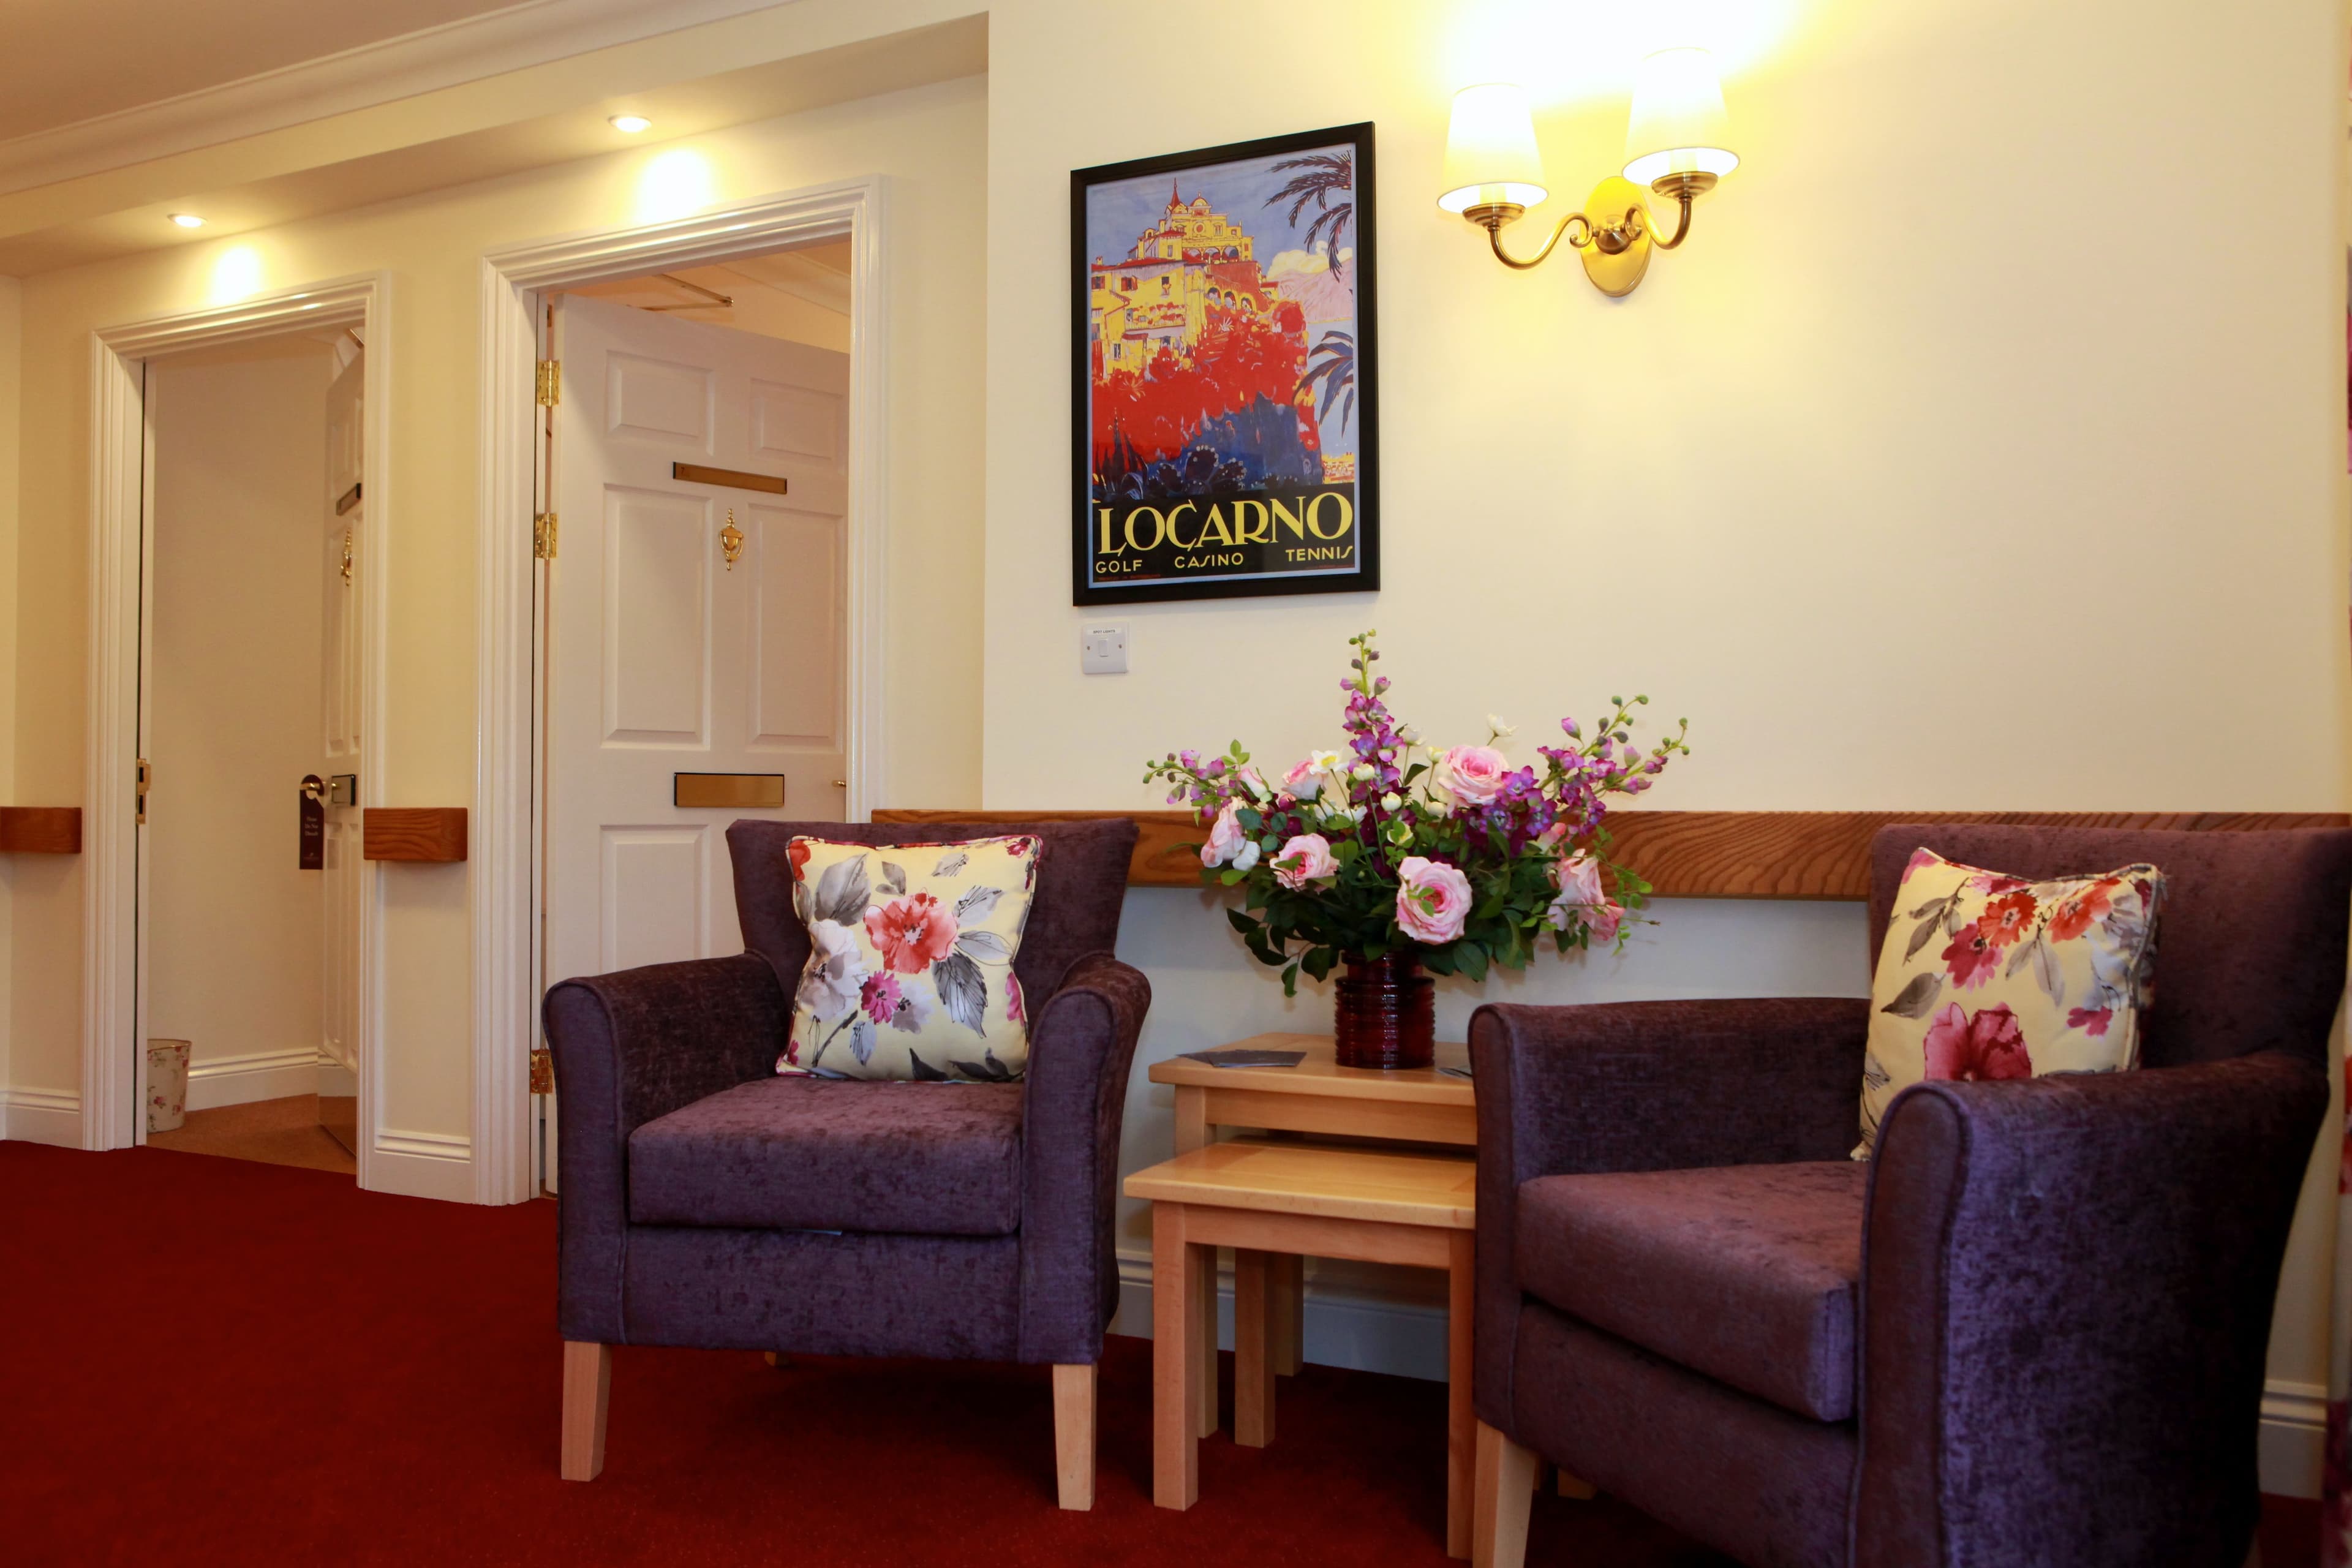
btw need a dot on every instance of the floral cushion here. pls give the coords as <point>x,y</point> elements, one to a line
<point>1988,976</point>
<point>909,972</point>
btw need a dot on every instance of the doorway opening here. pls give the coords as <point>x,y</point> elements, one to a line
<point>248,832</point>
<point>692,604</point>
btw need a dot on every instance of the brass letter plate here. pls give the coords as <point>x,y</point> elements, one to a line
<point>728,789</point>
<point>735,478</point>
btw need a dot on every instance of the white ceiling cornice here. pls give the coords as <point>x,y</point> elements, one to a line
<point>516,39</point>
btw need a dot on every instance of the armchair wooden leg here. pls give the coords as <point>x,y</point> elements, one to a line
<point>1074,1434</point>
<point>587,1385</point>
<point>1506,1489</point>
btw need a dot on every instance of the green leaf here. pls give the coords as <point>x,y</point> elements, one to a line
<point>1318,961</point>
<point>1230,877</point>
<point>1472,960</point>
<point>1290,981</point>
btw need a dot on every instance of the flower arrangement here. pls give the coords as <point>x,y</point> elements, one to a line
<point>1388,846</point>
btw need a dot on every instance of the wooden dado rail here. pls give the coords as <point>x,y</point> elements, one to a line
<point>430,833</point>
<point>40,830</point>
<point>1697,854</point>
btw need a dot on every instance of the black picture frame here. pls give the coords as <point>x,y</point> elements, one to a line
<point>1270,557</point>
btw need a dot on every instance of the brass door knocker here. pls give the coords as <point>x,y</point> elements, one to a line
<point>731,539</point>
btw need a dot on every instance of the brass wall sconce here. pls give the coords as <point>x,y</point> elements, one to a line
<point>1675,144</point>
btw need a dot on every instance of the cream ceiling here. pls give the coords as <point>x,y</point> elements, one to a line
<point>472,97</point>
<point>68,60</point>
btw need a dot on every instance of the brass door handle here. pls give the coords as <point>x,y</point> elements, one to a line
<point>841,783</point>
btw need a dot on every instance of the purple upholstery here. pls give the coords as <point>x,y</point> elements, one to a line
<point>1747,1273</point>
<point>1745,1477</point>
<point>2066,1283</point>
<point>642,1047</point>
<point>797,1153</point>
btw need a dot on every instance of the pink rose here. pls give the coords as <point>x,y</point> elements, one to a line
<point>1601,924</point>
<point>1577,876</point>
<point>1304,859</point>
<point>1473,775</point>
<point>1552,838</point>
<point>1434,900</point>
<point>1226,837</point>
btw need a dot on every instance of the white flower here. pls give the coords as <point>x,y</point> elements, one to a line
<point>1438,806</point>
<point>1407,733</point>
<point>1355,813</point>
<point>1360,773</point>
<point>915,1004</point>
<point>1247,857</point>
<point>1255,785</point>
<point>1390,801</point>
<point>829,986</point>
<point>1498,730</point>
<point>1327,761</point>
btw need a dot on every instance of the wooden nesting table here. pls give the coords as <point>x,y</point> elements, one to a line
<point>1276,1201</point>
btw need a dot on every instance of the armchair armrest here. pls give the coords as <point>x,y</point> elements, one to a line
<point>1080,1049</point>
<point>1644,1086</point>
<point>2067,1286</point>
<point>629,1048</point>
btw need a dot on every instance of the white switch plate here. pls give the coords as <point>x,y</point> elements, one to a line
<point>1102,650</point>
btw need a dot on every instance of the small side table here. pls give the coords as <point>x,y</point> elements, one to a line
<point>1264,1198</point>
<point>1423,1105</point>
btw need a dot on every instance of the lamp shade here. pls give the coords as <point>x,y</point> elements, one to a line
<point>1678,125</point>
<point>1490,150</point>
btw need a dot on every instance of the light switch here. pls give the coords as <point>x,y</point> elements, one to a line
<point>1102,650</point>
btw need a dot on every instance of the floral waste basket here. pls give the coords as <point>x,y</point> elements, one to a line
<point>167,1084</point>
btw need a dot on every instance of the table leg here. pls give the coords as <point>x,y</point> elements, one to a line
<point>1204,1359</point>
<point>1191,1118</point>
<point>1253,1352</point>
<point>1192,1133</point>
<point>1286,1294</point>
<point>1461,1433</point>
<point>1175,1347</point>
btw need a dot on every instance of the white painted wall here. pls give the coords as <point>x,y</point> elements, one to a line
<point>235,960</point>
<point>930,144</point>
<point>1927,475</point>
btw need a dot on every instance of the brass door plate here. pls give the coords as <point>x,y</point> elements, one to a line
<point>734,479</point>
<point>747,790</point>
<point>342,789</point>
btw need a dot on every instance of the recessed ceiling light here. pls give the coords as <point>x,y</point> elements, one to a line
<point>187,220</point>
<point>631,123</point>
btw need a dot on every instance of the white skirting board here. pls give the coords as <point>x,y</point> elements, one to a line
<point>41,1116</point>
<point>1369,1332</point>
<point>422,1165</point>
<point>254,1076</point>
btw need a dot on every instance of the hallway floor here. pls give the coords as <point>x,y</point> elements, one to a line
<point>289,1370</point>
<point>272,1131</point>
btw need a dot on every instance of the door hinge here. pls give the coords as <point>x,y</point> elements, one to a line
<point>542,1071</point>
<point>146,777</point>
<point>542,537</point>
<point>550,383</point>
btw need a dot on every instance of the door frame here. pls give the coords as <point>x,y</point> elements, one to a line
<point>505,882</point>
<point>113,1067</point>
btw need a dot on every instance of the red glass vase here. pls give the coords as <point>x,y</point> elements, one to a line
<point>1386,1014</point>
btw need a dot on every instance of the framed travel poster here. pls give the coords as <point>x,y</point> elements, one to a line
<point>1225,389</point>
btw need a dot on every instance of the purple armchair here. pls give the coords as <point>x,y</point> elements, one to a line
<point>2031,1329</point>
<point>707,1202</point>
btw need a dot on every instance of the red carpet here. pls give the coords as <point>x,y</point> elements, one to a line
<point>207,1360</point>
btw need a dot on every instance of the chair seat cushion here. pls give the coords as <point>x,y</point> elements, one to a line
<point>1747,1273</point>
<point>801,1154</point>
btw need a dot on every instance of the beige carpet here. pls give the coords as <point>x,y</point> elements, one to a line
<point>270,1132</point>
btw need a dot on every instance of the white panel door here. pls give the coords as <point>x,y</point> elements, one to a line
<point>345,513</point>
<point>663,657</point>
